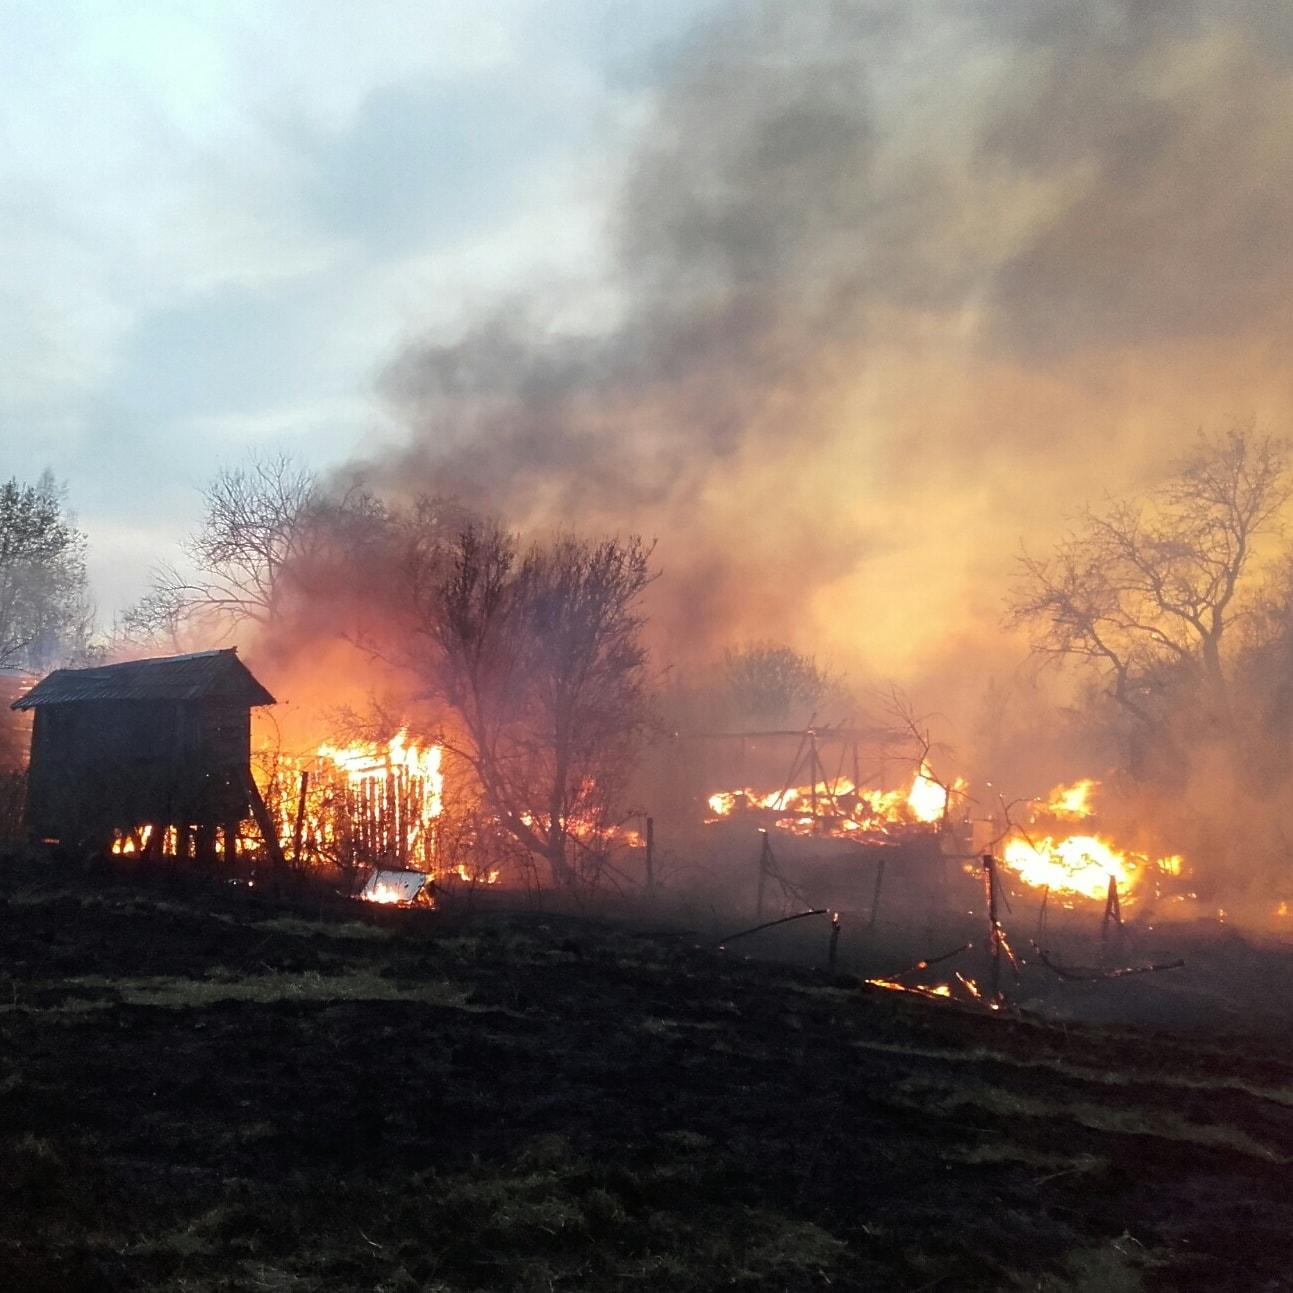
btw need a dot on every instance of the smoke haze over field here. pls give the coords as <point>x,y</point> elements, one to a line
<point>837,302</point>
<point>890,288</point>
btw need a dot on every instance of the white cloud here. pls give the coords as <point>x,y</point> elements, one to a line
<point>175,287</point>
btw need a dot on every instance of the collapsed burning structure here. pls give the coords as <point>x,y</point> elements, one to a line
<point>157,756</point>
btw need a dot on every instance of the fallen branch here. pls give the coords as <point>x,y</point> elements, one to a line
<point>942,993</point>
<point>930,960</point>
<point>1081,974</point>
<point>731,938</point>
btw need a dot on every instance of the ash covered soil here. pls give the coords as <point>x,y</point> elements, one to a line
<point>204,1088</point>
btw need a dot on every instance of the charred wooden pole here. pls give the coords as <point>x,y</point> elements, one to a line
<point>1112,923</point>
<point>765,859</point>
<point>875,895</point>
<point>650,854</point>
<point>835,942</point>
<point>299,829</point>
<point>814,772</point>
<point>1112,907</point>
<point>994,929</point>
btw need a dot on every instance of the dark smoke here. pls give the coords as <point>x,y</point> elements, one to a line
<point>896,285</point>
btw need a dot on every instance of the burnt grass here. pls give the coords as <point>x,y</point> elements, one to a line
<point>202,1087</point>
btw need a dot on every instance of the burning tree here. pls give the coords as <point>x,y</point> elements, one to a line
<point>538,656</point>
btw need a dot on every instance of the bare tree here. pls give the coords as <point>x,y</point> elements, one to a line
<point>538,654</point>
<point>767,682</point>
<point>271,536</point>
<point>1148,593</point>
<point>45,610</point>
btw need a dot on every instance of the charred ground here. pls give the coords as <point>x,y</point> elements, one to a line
<point>206,1088</point>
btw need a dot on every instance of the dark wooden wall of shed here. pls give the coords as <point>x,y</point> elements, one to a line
<point>100,766</point>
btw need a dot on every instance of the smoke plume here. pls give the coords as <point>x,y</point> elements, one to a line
<point>893,287</point>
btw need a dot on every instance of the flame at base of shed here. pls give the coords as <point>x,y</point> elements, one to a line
<point>362,804</point>
<point>377,804</point>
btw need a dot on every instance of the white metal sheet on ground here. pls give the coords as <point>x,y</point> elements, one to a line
<point>392,886</point>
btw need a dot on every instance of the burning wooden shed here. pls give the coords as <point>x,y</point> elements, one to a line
<point>154,743</point>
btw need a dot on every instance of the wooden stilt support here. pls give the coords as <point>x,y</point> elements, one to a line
<point>265,824</point>
<point>206,842</point>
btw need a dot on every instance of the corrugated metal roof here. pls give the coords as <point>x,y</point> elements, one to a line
<point>202,675</point>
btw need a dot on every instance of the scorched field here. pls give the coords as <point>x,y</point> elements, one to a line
<point>205,1088</point>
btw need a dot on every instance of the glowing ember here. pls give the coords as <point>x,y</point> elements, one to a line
<point>943,990</point>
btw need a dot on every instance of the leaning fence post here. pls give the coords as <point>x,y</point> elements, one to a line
<point>650,854</point>
<point>299,830</point>
<point>879,884</point>
<point>835,942</point>
<point>763,872</point>
<point>1112,918</point>
<point>994,930</point>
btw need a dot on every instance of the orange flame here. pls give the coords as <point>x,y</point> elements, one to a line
<point>1072,803</point>
<point>1080,864</point>
<point>843,808</point>
<point>384,893</point>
